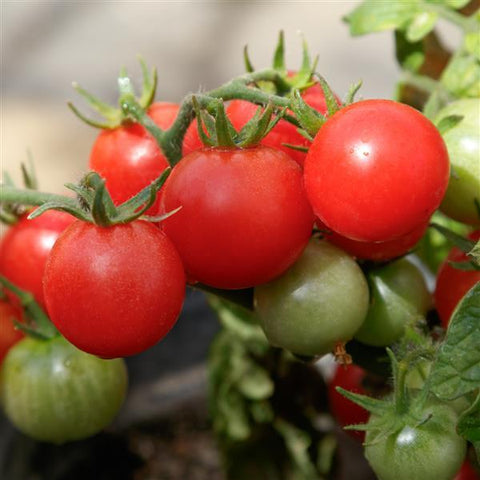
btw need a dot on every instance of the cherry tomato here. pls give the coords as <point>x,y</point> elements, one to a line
<point>398,295</point>
<point>240,112</point>
<point>376,171</point>
<point>422,444</point>
<point>9,335</point>
<point>345,412</point>
<point>129,158</point>
<point>463,143</point>
<point>467,473</point>
<point>305,310</point>
<point>244,219</point>
<point>25,247</point>
<point>453,283</point>
<point>114,291</point>
<point>53,392</point>
<point>378,251</point>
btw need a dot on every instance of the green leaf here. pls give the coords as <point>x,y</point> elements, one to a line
<point>462,76</point>
<point>456,3</point>
<point>375,16</point>
<point>472,43</point>
<point>469,423</point>
<point>456,370</point>
<point>447,123</point>
<point>422,24</point>
<point>410,55</point>
<point>464,244</point>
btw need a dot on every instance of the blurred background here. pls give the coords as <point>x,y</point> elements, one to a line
<point>195,45</point>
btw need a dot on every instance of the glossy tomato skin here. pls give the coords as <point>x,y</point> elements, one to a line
<point>116,291</point>
<point>305,310</point>
<point>378,251</point>
<point>54,392</point>
<point>398,296</point>
<point>25,247</point>
<point>453,283</point>
<point>9,335</point>
<point>244,219</point>
<point>463,143</point>
<point>345,412</point>
<point>129,158</point>
<point>376,170</point>
<point>241,111</point>
<point>423,445</point>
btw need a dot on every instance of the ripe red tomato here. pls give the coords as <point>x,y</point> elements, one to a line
<point>244,219</point>
<point>240,112</point>
<point>467,473</point>
<point>453,283</point>
<point>25,247</point>
<point>129,158</point>
<point>114,291</point>
<point>378,251</point>
<point>345,412</point>
<point>376,171</point>
<point>9,335</point>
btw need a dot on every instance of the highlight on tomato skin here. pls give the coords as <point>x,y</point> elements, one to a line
<point>453,283</point>
<point>376,170</point>
<point>116,291</point>
<point>244,219</point>
<point>129,158</point>
<point>25,247</point>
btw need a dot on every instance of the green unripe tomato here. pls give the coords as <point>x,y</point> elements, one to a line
<point>321,300</point>
<point>463,143</point>
<point>398,295</point>
<point>53,392</point>
<point>422,444</point>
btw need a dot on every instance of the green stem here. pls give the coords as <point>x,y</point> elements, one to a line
<point>401,399</point>
<point>31,197</point>
<point>421,82</point>
<point>465,23</point>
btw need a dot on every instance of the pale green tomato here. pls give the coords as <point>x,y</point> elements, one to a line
<point>398,295</point>
<point>319,301</point>
<point>463,143</point>
<point>53,392</point>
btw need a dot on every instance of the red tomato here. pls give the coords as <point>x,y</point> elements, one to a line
<point>376,171</point>
<point>453,283</point>
<point>129,158</point>
<point>25,247</point>
<point>467,473</point>
<point>378,251</point>
<point>114,291</point>
<point>240,112</point>
<point>346,412</point>
<point>244,219</point>
<point>9,335</point>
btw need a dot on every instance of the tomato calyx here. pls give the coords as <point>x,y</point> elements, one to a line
<point>114,117</point>
<point>37,323</point>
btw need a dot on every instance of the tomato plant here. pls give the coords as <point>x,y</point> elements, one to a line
<point>244,216</point>
<point>376,171</point>
<point>463,143</point>
<point>129,158</point>
<point>9,335</point>
<point>54,392</point>
<point>304,310</point>
<point>453,283</point>
<point>398,296</point>
<point>25,247</point>
<point>114,291</point>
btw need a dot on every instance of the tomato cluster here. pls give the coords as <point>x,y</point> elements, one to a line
<point>317,232</point>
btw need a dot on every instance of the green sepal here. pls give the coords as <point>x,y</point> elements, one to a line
<point>38,323</point>
<point>447,123</point>
<point>370,404</point>
<point>246,60</point>
<point>310,120</point>
<point>29,176</point>
<point>464,244</point>
<point>279,54</point>
<point>149,84</point>
<point>102,209</point>
<point>352,91</point>
<point>474,253</point>
<point>465,266</point>
<point>64,207</point>
<point>330,99</point>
